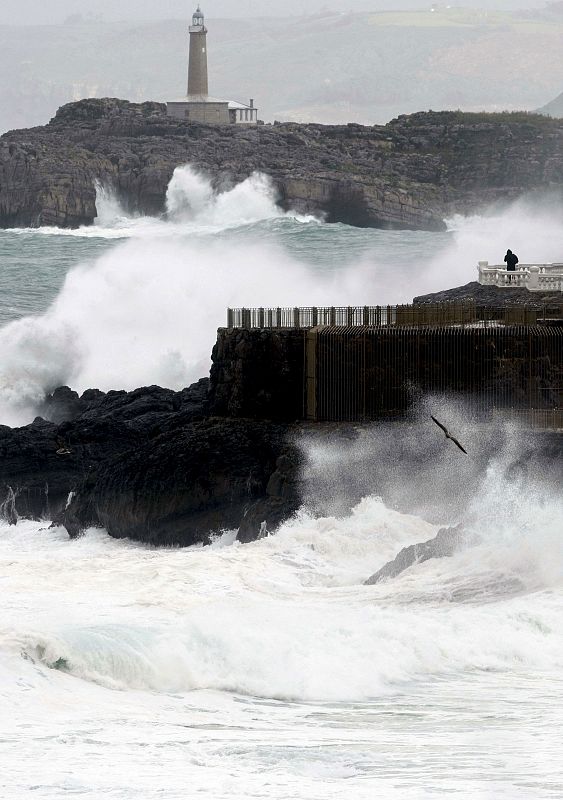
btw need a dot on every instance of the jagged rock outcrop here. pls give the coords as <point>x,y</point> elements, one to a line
<point>46,460</point>
<point>149,465</point>
<point>408,174</point>
<point>447,542</point>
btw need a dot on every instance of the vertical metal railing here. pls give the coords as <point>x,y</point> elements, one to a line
<point>454,314</point>
<point>357,374</point>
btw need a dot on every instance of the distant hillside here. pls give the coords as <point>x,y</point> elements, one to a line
<point>553,109</point>
<point>331,67</point>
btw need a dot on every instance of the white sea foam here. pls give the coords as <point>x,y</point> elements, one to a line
<point>289,617</point>
<point>284,618</point>
<point>193,207</point>
<point>270,669</point>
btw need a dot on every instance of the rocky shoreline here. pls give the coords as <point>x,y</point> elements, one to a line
<point>491,297</point>
<point>173,468</point>
<point>409,174</point>
<point>151,465</point>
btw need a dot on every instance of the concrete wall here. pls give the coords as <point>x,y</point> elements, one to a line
<point>209,113</point>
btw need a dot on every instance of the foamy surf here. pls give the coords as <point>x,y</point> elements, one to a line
<point>192,207</point>
<point>273,661</point>
<point>289,617</point>
<point>272,667</point>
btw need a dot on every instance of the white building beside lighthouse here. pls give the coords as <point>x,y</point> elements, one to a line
<point>198,105</point>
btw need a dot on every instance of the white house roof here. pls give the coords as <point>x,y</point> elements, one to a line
<point>234,104</point>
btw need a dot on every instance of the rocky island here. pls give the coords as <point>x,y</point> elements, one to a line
<point>408,174</point>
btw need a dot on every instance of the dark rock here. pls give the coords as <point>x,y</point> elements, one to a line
<point>63,405</point>
<point>447,542</point>
<point>409,174</point>
<point>490,296</point>
<point>149,465</point>
<point>283,498</point>
<point>179,489</point>
<point>45,461</point>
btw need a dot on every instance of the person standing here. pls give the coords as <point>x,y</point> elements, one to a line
<point>511,260</point>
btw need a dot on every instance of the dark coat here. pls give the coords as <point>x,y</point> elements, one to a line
<point>511,260</point>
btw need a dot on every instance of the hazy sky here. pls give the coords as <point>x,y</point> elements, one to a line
<point>56,11</point>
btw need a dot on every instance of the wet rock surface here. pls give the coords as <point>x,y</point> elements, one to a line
<point>491,296</point>
<point>409,174</point>
<point>149,465</point>
<point>446,543</point>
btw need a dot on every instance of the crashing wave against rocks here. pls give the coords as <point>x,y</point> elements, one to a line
<point>409,174</point>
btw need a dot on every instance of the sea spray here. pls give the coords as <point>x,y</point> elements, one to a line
<point>191,199</point>
<point>146,311</point>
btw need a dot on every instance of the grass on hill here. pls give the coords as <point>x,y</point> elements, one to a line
<point>458,18</point>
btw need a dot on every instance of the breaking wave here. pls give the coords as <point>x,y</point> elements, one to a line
<point>146,310</point>
<point>288,617</point>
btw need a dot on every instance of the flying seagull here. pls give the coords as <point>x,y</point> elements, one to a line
<point>449,436</point>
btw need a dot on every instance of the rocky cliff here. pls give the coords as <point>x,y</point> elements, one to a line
<point>408,174</point>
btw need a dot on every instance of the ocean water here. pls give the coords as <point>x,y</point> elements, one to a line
<point>269,670</point>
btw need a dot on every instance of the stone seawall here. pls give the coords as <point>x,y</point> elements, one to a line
<point>349,374</point>
<point>258,374</point>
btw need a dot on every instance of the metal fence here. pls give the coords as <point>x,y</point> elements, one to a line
<point>460,314</point>
<point>362,374</point>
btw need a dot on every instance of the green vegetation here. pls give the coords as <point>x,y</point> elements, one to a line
<point>441,18</point>
<point>496,117</point>
<point>461,18</point>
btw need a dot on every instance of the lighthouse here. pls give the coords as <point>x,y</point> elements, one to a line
<point>197,68</point>
<point>197,105</point>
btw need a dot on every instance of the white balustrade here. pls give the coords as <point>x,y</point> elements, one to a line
<point>534,277</point>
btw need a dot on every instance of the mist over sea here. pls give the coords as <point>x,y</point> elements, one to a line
<point>269,669</point>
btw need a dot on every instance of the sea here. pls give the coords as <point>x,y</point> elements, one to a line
<point>270,670</point>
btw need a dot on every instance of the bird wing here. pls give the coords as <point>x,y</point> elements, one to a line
<point>439,424</point>
<point>455,441</point>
